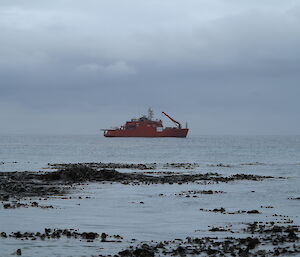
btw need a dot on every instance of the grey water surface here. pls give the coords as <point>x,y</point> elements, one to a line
<point>116,209</point>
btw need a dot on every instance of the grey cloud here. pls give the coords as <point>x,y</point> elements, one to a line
<point>118,68</point>
<point>206,59</point>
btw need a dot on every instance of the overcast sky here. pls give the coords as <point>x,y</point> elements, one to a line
<point>225,66</point>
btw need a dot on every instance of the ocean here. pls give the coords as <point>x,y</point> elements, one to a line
<point>32,152</point>
<point>115,208</point>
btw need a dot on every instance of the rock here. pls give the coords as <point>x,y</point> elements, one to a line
<point>103,237</point>
<point>125,253</point>
<point>48,230</point>
<point>7,206</point>
<point>252,243</point>
<point>17,235</point>
<point>4,197</point>
<point>215,229</point>
<point>253,212</point>
<point>219,210</point>
<point>3,234</point>
<point>143,253</point>
<point>292,235</point>
<point>90,235</point>
<point>34,204</point>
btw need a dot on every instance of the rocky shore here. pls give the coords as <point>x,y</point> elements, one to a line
<point>256,239</point>
<point>275,240</point>
<point>279,237</point>
<point>40,184</point>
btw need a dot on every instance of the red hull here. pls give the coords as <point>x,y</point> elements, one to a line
<point>146,132</point>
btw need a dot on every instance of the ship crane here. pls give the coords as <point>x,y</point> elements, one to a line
<point>178,124</point>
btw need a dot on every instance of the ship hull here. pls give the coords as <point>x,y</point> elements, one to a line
<point>147,132</point>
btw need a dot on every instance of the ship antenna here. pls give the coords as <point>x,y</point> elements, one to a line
<point>150,114</point>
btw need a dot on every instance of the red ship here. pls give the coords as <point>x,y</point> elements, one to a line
<point>145,126</point>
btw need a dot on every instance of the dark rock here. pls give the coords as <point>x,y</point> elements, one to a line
<point>17,235</point>
<point>143,253</point>
<point>4,197</point>
<point>219,210</point>
<point>34,204</point>
<point>3,234</point>
<point>292,235</point>
<point>253,212</point>
<point>252,242</point>
<point>103,237</point>
<point>215,229</point>
<point>90,235</point>
<point>48,230</point>
<point>125,253</point>
<point>7,206</point>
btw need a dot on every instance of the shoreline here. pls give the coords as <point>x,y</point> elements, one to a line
<point>25,189</point>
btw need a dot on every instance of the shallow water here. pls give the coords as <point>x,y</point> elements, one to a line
<point>116,208</point>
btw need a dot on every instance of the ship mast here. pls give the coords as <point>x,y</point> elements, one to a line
<point>150,114</point>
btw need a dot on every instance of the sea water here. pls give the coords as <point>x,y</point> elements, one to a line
<point>33,152</point>
<point>116,209</point>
